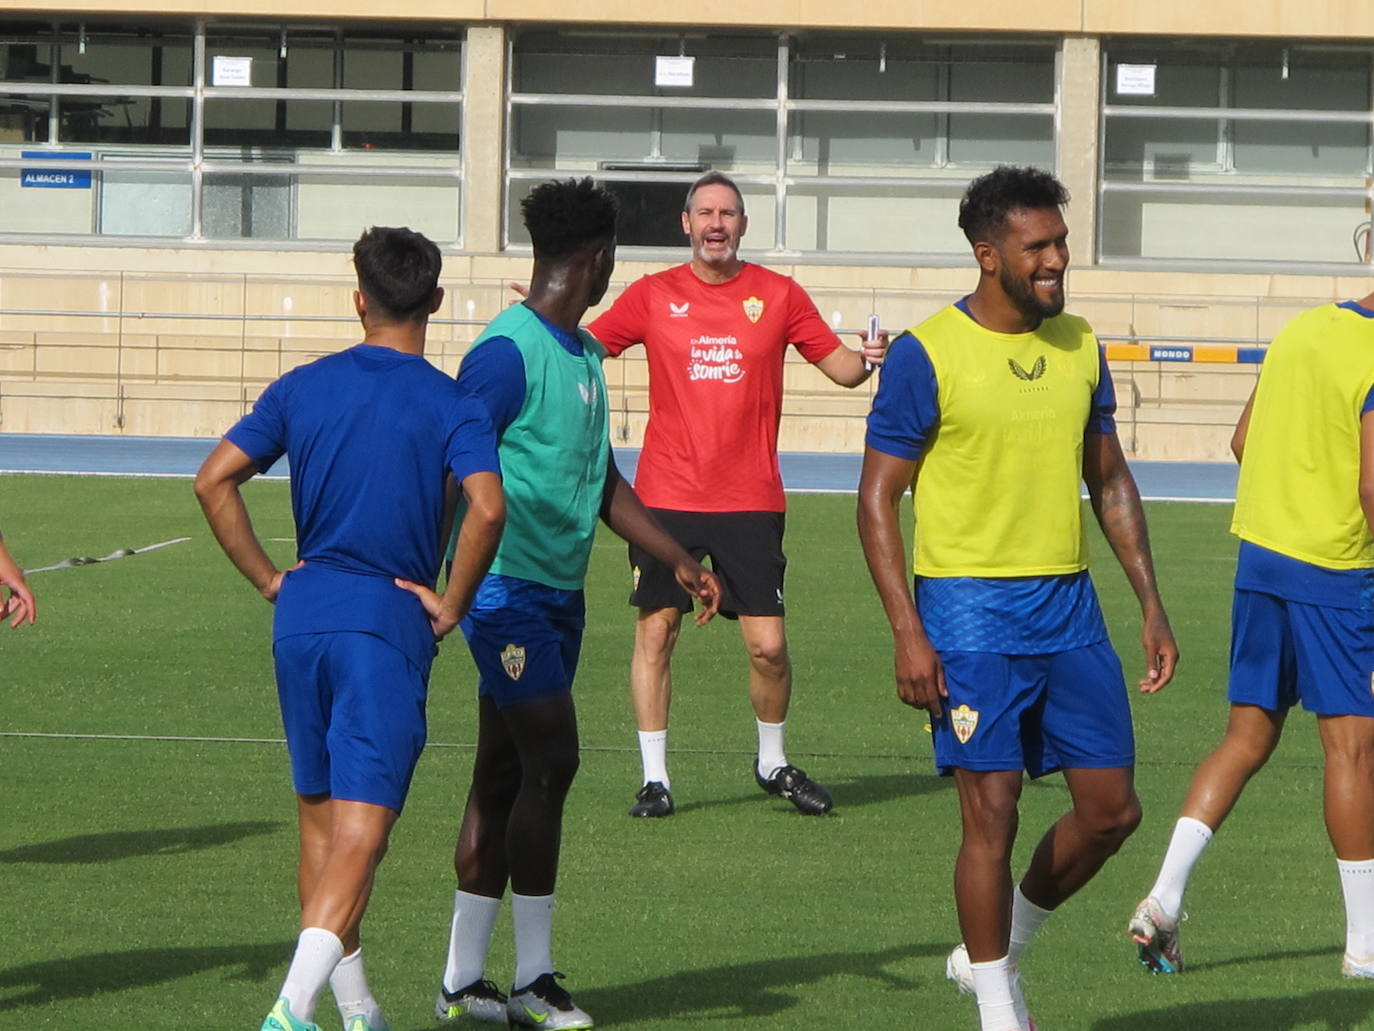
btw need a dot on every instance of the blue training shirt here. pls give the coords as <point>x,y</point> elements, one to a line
<point>371,433</point>
<point>1031,615</point>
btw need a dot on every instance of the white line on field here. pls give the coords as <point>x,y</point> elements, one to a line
<point>83,560</point>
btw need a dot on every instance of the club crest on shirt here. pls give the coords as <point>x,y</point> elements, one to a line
<point>513,660</point>
<point>964,721</point>
<point>588,392</point>
<point>678,311</point>
<point>753,308</point>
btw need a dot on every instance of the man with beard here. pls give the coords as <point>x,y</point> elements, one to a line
<point>993,411</point>
<point>716,331</point>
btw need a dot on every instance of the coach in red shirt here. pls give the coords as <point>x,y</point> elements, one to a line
<point>715,332</point>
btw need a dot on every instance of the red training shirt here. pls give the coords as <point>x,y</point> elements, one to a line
<point>715,353</point>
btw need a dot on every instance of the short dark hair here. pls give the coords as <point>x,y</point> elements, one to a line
<point>712,179</point>
<point>566,215</point>
<point>990,198</point>
<point>398,271</point>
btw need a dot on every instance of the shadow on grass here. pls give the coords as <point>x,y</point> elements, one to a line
<point>1333,951</point>
<point>744,990</point>
<point>1330,1010</point>
<point>112,845</point>
<point>81,977</point>
<point>848,794</point>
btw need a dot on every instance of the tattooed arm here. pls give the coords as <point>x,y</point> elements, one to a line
<point>1116,503</point>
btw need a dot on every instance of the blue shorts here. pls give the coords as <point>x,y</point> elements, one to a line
<point>1283,652</point>
<point>353,707</point>
<point>1037,713</point>
<point>528,652</point>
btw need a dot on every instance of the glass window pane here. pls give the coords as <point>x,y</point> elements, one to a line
<point>246,206</point>
<point>1301,148</point>
<point>28,209</point>
<point>727,140</point>
<point>580,137</point>
<point>864,68</point>
<point>724,66</point>
<point>990,140</point>
<point>125,56</point>
<point>862,143</point>
<point>145,204</point>
<point>271,124</point>
<point>875,219</point>
<point>1287,229</point>
<point>24,119</point>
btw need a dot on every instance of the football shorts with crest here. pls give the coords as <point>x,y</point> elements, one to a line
<point>1038,713</point>
<point>525,638</point>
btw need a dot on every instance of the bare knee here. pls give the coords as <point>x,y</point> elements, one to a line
<point>1110,825</point>
<point>769,654</point>
<point>656,634</point>
<point>990,823</point>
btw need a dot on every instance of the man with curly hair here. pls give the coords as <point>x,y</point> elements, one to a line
<point>540,378</point>
<point>994,411</point>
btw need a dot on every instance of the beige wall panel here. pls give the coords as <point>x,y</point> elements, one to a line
<point>1273,317</point>
<point>58,415</point>
<point>1108,317</point>
<point>162,418</point>
<point>1195,320</point>
<point>1337,18</point>
<point>189,294</point>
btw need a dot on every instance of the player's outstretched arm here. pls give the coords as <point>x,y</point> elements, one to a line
<point>19,603</point>
<point>217,490</point>
<point>478,535</point>
<point>624,513</point>
<point>1116,503</point>
<point>920,677</point>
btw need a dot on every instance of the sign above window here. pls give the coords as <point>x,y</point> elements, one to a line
<point>674,71</point>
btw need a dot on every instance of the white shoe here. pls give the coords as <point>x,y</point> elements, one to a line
<point>1156,935</point>
<point>1352,967</point>
<point>544,1004</point>
<point>959,969</point>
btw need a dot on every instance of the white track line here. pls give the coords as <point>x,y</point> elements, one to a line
<point>81,560</point>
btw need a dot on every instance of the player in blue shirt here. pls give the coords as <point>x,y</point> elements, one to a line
<point>373,434</point>
<point>540,378</point>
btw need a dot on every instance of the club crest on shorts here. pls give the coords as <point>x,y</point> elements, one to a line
<point>513,660</point>
<point>635,576</point>
<point>1371,683</point>
<point>753,307</point>
<point>964,721</point>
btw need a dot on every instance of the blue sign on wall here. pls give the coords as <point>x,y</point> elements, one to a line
<point>55,178</point>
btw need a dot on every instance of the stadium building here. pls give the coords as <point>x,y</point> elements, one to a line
<point>180,183</point>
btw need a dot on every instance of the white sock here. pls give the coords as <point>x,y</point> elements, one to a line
<point>348,982</point>
<point>1185,848</point>
<point>533,936</point>
<point>653,753</point>
<point>469,936</point>
<point>317,954</point>
<point>771,752</point>
<point>1357,885</point>
<point>992,986</point>
<point>1026,918</point>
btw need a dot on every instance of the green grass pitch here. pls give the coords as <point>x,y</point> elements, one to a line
<point>147,846</point>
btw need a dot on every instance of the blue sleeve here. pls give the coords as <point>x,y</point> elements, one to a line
<point>261,434</point>
<point>471,440</point>
<point>494,373</point>
<point>1368,402</point>
<point>1102,418</point>
<point>906,407</point>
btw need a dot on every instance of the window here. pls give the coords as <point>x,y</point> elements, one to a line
<point>1237,151</point>
<point>294,117</point>
<point>841,144</point>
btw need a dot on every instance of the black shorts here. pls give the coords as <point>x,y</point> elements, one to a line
<point>745,549</point>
